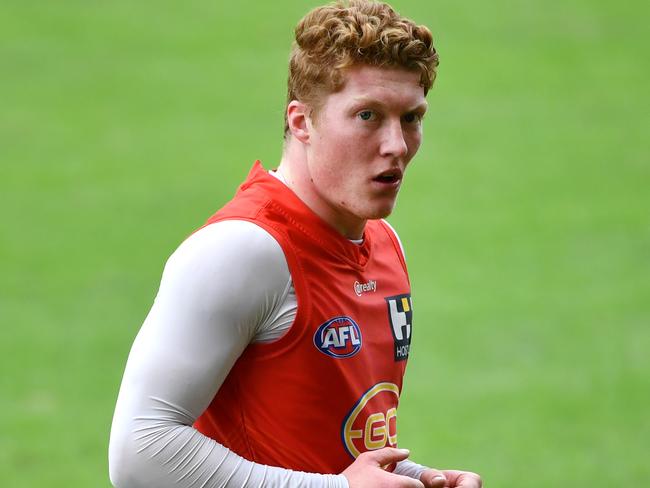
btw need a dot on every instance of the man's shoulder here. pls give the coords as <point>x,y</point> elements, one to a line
<point>390,230</point>
<point>227,241</point>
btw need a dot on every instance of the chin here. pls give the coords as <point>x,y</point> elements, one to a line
<point>381,213</point>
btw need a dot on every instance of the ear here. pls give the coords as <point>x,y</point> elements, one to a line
<point>298,120</point>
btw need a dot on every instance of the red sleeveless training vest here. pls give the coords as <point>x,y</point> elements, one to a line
<point>329,388</point>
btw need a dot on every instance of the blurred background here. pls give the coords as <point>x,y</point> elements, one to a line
<point>525,217</point>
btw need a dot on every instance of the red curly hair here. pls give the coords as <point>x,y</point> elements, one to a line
<point>334,37</point>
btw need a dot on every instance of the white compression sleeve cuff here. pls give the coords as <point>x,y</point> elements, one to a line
<point>217,288</point>
<point>410,469</point>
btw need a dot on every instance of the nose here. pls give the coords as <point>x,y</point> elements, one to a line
<point>393,142</point>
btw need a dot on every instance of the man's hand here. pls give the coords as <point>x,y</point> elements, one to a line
<point>432,478</point>
<point>367,470</point>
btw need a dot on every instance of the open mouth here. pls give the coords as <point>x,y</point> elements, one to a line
<point>389,177</point>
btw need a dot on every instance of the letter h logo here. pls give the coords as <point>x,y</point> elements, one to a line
<point>400,314</point>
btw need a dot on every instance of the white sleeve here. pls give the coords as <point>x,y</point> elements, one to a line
<point>410,469</point>
<point>216,289</point>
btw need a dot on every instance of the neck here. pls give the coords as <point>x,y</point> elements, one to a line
<point>294,168</point>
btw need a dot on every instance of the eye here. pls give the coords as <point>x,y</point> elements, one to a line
<point>412,117</point>
<point>366,115</point>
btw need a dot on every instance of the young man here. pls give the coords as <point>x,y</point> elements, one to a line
<point>275,349</point>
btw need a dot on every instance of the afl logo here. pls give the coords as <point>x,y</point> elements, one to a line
<point>339,337</point>
<point>372,422</point>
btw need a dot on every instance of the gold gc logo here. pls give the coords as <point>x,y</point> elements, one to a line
<point>372,422</point>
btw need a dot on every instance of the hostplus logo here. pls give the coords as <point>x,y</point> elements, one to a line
<point>400,315</point>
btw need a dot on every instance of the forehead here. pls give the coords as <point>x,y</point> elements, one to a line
<point>389,86</point>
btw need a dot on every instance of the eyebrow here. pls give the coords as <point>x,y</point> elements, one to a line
<point>363,100</point>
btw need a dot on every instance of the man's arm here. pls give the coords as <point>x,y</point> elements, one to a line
<point>216,288</point>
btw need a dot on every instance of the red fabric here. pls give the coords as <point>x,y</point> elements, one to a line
<point>289,403</point>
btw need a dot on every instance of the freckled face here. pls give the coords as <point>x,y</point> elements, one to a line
<point>360,143</point>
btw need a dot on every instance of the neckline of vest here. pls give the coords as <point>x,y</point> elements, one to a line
<point>304,218</point>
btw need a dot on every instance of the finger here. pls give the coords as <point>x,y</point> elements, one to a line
<point>387,455</point>
<point>463,479</point>
<point>399,481</point>
<point>432,478</point>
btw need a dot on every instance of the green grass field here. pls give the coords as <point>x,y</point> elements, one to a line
<point>525,217</point>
